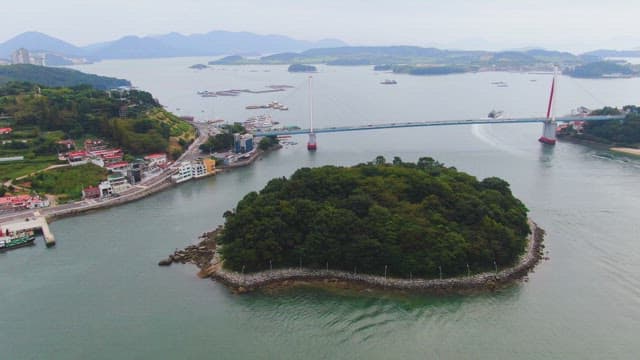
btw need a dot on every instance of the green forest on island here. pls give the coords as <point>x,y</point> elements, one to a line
<point>412,218</point>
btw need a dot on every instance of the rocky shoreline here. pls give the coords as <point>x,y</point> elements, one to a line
<point>241,283</point>
<point>200,255</point>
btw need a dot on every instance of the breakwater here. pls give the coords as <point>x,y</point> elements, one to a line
<point>483,281</point>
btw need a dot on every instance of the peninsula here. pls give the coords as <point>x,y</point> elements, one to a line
<point>619,135</point>
<point>414,222</point>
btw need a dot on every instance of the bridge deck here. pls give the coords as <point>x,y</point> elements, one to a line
<point>437,123</point>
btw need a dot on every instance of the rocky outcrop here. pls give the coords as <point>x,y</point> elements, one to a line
<point>484,281</point>
<point>200,255</point>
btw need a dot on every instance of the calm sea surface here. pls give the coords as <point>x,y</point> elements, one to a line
<point>99,293</point>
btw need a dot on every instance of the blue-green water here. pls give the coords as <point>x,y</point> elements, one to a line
<point>99,293</point>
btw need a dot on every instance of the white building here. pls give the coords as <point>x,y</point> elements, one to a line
<point>21,56</point>
<point>185,172</point>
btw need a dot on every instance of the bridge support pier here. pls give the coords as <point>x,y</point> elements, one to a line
<point>311,144</point>
<point>548,133</point>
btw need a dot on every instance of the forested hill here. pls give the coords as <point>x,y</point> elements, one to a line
<point>131,119</point>
<point>620,133</point>
<point>57,77</point>
<point>411,218</point>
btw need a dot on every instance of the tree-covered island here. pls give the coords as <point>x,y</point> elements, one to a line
<point>408,219</point>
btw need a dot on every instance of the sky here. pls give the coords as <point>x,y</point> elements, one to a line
<point>571,25</point>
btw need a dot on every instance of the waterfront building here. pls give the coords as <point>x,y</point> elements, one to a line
<point>185,172</point>
<point>91,192</point>
<point>210,165</point>
<point>242,143</point>
<point>118,183</point>
<point>105,189</point>
<point>199,170</point>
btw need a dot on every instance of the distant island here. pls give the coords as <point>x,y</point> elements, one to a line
<point>302,68</point>
<point>395,219</point>
<point>57,77</point>
<point>227,60</point>
<point>604,69</point>
<point>198,66</point>
<point>420,61</point>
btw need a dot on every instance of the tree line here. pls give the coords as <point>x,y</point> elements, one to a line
<point>131,119</point>
<point>413,219</point>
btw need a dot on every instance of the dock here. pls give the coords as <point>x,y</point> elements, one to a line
<point>36,223</point>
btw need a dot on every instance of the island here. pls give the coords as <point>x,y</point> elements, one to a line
<point>301,68</point>
<point>604,69</point>
<point>198,66</point>
<point>420,226</point>
<point>228,60</point>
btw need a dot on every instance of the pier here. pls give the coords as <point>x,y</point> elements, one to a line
<point>36,223</point>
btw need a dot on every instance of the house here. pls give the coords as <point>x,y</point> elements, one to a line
<point>91,192</point>
<point>121,166</point>
<point>21,202</point>
<point>5,130</point>
<point>105,189</point>
<point>118,183</point>
<point>77,158</point>
<point>156,160</point>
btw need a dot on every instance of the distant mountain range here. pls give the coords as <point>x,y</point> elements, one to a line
<point>168,45</point>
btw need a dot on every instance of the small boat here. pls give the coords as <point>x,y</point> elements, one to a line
<point>388,82</point>
<point>494,114</point>
<point>16,241</point>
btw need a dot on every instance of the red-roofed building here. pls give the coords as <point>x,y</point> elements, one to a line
<point>77,157</point>
<point>91,192</point>
<point>20,202</point>
<point>156,160</point>
<point>121,165</point>
<point>5,130</point>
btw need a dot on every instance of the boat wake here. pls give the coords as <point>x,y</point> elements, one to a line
<point>482,132</point>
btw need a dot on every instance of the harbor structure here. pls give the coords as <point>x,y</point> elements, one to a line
<point>35,223</point>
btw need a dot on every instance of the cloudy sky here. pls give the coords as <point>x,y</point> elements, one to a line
<point>500,24</point>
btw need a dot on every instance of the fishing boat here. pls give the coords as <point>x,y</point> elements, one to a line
<point>388,82</point>
<point>25,238</point>
<point>494,114</point>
